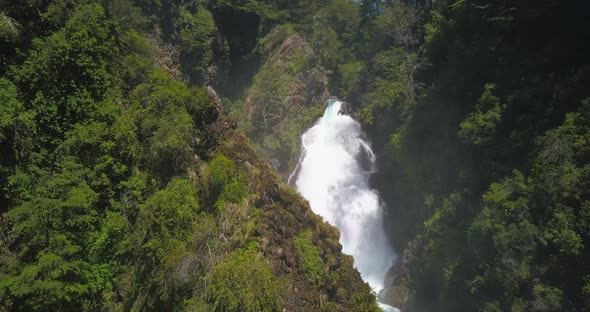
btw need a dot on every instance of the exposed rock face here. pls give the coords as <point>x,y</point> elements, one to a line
<point>397,296</point>
<point>308,88</point>
<point>283,216</point>
<point>279,105</point>
<point>165,56</point>
<point>396,293</point>
<point>285,88</point>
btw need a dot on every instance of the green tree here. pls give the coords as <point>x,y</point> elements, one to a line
<point>165,126</point>
<point>244,282</point>
<point>68,73</point>
<point>165,241</point>
<point>195,34</point>
<point>480,126</point>
<point>51,230</point>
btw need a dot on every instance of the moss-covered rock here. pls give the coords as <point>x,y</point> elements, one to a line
<point>285,98</point>
<point>300,248</point>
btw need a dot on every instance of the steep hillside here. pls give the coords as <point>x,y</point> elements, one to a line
<point>125,188</point>
<point>299,246</point>
<point>286,96</point>
<point>128,183</point>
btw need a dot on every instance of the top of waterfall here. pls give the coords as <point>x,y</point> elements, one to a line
<point>332,109</point>
<point>331,100</point>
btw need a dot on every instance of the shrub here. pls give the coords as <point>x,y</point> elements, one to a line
<point>244,282</point>
<point>309,259</point>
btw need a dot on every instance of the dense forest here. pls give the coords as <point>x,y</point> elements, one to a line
<point>124,188</point>
<point>144,146</point>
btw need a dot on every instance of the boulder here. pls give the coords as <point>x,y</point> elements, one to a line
<point>396,296</point>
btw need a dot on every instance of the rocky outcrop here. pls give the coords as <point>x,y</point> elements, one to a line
<point>396,296</point>
<point>284,100</point>
<point>396,292</point>
<point>283,216</point>
<point>164,55</point>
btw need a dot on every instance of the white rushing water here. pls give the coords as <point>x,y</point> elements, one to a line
<point>333,176</point>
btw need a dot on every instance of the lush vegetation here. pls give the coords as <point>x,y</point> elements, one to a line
<point>122,185</point>
<point>309,257</point>
<point>243,282</point>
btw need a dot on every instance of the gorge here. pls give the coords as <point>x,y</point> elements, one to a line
<point>145,146</point>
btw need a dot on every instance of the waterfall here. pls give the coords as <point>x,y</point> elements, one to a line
<point>333,174</point>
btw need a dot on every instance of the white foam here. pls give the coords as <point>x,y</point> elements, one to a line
<point>331,177</point>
